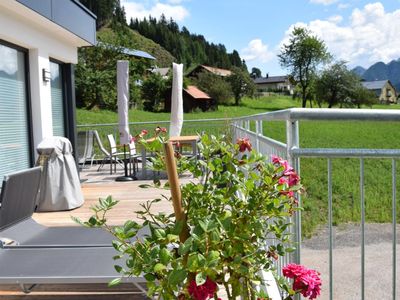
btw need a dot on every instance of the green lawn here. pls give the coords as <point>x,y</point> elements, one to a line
<point>323,134</point>
<point>248,107</point>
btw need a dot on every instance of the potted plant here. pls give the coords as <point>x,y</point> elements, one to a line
<point>222,235</point>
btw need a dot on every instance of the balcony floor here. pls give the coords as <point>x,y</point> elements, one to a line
<point>96,185</point>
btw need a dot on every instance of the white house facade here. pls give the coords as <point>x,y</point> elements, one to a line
<point>268,84</point>
<point>38,49</point>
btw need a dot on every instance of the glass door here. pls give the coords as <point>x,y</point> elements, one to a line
<point>14,119</point>
<point>57,99</point>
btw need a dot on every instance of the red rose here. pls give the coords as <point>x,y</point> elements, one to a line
<point>204,291</point>
<point>244,144</point>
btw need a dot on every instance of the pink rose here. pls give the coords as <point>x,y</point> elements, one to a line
<point>294,179</point>
<point>305,281</point>
<point>276,159</point>
<point>282,180</point>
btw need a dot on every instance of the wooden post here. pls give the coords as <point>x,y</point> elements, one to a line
<point>175,190</point>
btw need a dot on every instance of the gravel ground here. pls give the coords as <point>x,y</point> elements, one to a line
<point>347,261</point>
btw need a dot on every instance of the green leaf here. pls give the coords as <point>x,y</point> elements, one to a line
<point>200,279</point>
<point>114,282</point>
<point>165,256</point>
<point>204,225</point>
<point>118,268</point>
<point>185,247</point>
<point>158,268</point>
<point>149,277</point>
<point>159,233</point>
<point>178,227</point>
<point>177,276</point>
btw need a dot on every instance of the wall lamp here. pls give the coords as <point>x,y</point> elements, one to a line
<point>46,76</point>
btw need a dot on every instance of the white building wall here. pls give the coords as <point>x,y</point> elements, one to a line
<point>44,39</point>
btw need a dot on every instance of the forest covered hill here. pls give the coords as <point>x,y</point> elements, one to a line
<point>159,36</point>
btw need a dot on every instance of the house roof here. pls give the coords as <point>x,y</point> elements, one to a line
<point>127,51</point>
<point>374,85</point>
<point>271,79</point>
<point>217,71</point>
<point>196,93</point>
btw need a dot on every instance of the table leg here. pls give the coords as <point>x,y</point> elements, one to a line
<point>144,171</point>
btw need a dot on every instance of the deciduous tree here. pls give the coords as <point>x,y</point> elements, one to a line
<point>302,56</point>
<point>241,84</point>
<point>255,73</point>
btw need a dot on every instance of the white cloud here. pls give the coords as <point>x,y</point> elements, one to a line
<point>335,19</point>
<point>343,5</point>
<point>175,1</point>
<point>369,35</point>
<point>170,10</point>
<point>256,50</point>
<point>323,2</point>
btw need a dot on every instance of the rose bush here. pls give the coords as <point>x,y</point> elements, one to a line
<point>237,208</point>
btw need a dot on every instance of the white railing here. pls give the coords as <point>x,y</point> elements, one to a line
<point>252,127</point>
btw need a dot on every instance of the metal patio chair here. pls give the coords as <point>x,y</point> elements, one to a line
<point>85,149</point>
<point>107,154</point>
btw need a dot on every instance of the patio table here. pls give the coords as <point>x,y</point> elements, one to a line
<point>182,140</point>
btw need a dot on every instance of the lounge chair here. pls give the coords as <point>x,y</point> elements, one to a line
<point>32,254</point>
<point>107,155</point>
<point>85,148</point>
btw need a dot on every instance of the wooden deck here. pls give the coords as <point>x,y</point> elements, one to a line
<point>97,185</point>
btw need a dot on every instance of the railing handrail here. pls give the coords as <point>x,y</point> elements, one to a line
<point>158,122</point>
<point>326,114</point>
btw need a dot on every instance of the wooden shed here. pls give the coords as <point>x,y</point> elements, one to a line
<point>193,98</point>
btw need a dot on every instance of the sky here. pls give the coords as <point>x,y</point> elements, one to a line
<point>360,32</point>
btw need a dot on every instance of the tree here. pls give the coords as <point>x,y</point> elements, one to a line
<point>362,96</point>
<point>255,73</point>
<point>154,90</point>
<point>215,86</point>
<point>241,84</point>
<point>334,84</point>
<point>301,56</point>
<point>337,85</point>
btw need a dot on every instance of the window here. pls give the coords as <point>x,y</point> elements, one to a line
<point>14,121</point>
<point>57,99</point>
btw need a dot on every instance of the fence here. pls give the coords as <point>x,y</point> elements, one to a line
<point>190,127</point>
<point>253,127</point>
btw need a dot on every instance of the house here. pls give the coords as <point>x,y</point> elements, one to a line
<point>383,89</point>
<point>280,84</point>
<point>193,98</point>
<point>213,70</point>
<point>38,50</point>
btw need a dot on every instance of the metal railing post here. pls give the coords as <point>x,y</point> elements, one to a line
<point>292,142</point>
<point>258,133</point>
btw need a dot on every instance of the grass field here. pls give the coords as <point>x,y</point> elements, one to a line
<point>323,134</point>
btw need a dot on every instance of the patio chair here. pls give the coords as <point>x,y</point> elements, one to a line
<point>107,155</point>
<point>114,153</point>
<point>32,254</point>
<point>85,148</point>
<point>134,159</point>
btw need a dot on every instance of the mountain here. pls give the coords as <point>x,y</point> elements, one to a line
<point>382,71</point>
<point>359,71</point>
